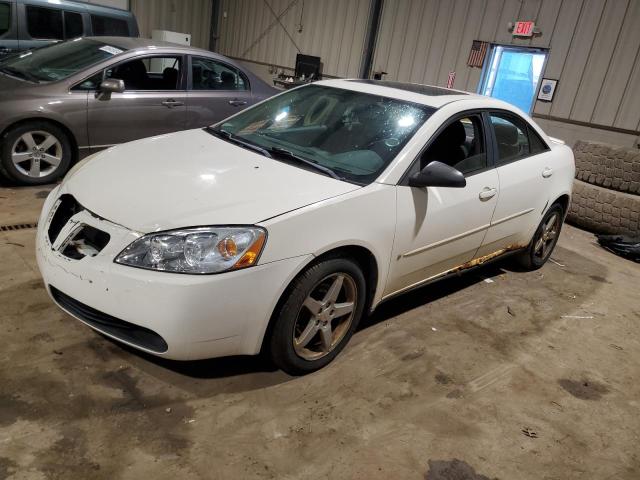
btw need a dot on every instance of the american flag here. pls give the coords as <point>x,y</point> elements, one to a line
<point>478,51</point>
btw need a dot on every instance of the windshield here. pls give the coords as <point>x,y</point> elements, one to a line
<point>58,61</point>
<point>353,134</point>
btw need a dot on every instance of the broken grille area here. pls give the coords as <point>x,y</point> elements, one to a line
<point>87,241</point>
<point>67,208</point>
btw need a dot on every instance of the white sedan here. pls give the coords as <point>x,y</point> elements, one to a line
<point>279,228</point>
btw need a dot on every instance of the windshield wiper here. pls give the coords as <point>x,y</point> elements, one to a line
<point>230,137</point>
<point>287,155</point>
<point>19,73</point>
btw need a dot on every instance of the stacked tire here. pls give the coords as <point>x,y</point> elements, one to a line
<point>606,192</point>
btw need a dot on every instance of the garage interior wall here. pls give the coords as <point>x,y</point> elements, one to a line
<point>184,16</point>
<point>593,53</point>
<point>272,32</point>
<point>593,49</point>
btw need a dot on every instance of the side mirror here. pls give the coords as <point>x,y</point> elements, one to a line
<point>438,174</point>
<point>109,86</point>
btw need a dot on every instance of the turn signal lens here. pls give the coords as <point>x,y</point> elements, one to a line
<point>228,248</point>
<point>251,255</point>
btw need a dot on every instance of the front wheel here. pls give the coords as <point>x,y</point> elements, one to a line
<point>318,317</point>
<point>544,240</point>
<point>35,153</point>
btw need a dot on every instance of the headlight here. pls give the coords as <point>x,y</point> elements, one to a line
<point>196,250</point>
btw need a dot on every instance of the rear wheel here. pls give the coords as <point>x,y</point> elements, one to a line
<point>318,317</point>
<point>544,240</point>
<point>35,153</point>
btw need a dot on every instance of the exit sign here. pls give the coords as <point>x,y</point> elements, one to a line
<point>523,29</point>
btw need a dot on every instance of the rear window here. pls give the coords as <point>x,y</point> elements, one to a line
<point>109,26</point>
<point>45,23</point>
<point>5,18</point>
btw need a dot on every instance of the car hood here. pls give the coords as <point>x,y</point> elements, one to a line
<point>10,86</point>
<point>192,178</point>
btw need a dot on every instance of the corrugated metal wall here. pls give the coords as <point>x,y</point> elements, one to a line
<point>184,16</point>
<point>267,31</point>
<point>593,50</point>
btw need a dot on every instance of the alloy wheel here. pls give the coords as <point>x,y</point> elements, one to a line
<point>547,237</point>
<point>325,316</point>
<point>36,154</point>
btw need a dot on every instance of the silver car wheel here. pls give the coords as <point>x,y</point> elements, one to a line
<point>326,316</point>
<point>36,154</point>
<point>547,237</point>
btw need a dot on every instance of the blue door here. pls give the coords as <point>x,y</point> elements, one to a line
<point>512,74</point>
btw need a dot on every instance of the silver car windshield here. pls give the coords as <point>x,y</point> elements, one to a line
<point>352,134</point>
<point>59,61</point>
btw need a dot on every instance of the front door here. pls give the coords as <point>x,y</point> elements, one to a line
<point>218,90</point>
<point>439,229</point>
<point>153,103</point>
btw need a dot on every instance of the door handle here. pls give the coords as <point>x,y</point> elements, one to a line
<point>487,193</point>
<point>237,103</point>
<point>170,103</point>
<point>547,172</point>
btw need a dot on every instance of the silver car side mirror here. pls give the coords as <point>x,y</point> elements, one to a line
<point>109,86</point>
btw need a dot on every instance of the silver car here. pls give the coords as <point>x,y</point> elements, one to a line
<point>62,102</point>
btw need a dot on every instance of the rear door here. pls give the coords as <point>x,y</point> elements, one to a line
<point>8,28</point>
<point>217,91</point>
<point>154,101</point>
<point>524,171</point>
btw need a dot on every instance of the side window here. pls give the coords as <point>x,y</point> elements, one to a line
<point>5,18</point>
<point>109,26</point>
<point>73,25</point>
<point>44,23</point>
<point>91,83</point>
<point>537,145</point>
<point>153,73</point>
<point>511,136</point>
<point>208,74</point>
<point>460,145</point>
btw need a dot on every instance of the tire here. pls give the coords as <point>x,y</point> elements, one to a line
<point>605,211</point>
<point>299,341</point>
<point>23,163</point>
<point>544,240</point>
<point>615,168</point>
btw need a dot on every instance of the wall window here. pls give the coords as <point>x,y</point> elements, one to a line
<point>208,74</point>
<point>109,26</point>
<point>460,145</point>
<point>153,73</point>
<point>44,23</point>
<point>511,136</point>
<point>73,25</point>
<point>5,18</point>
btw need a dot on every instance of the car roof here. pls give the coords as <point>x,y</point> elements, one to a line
<point>429,95</point>
<point>132,43</point>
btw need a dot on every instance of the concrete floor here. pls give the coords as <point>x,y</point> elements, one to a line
<point>530,376</point>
